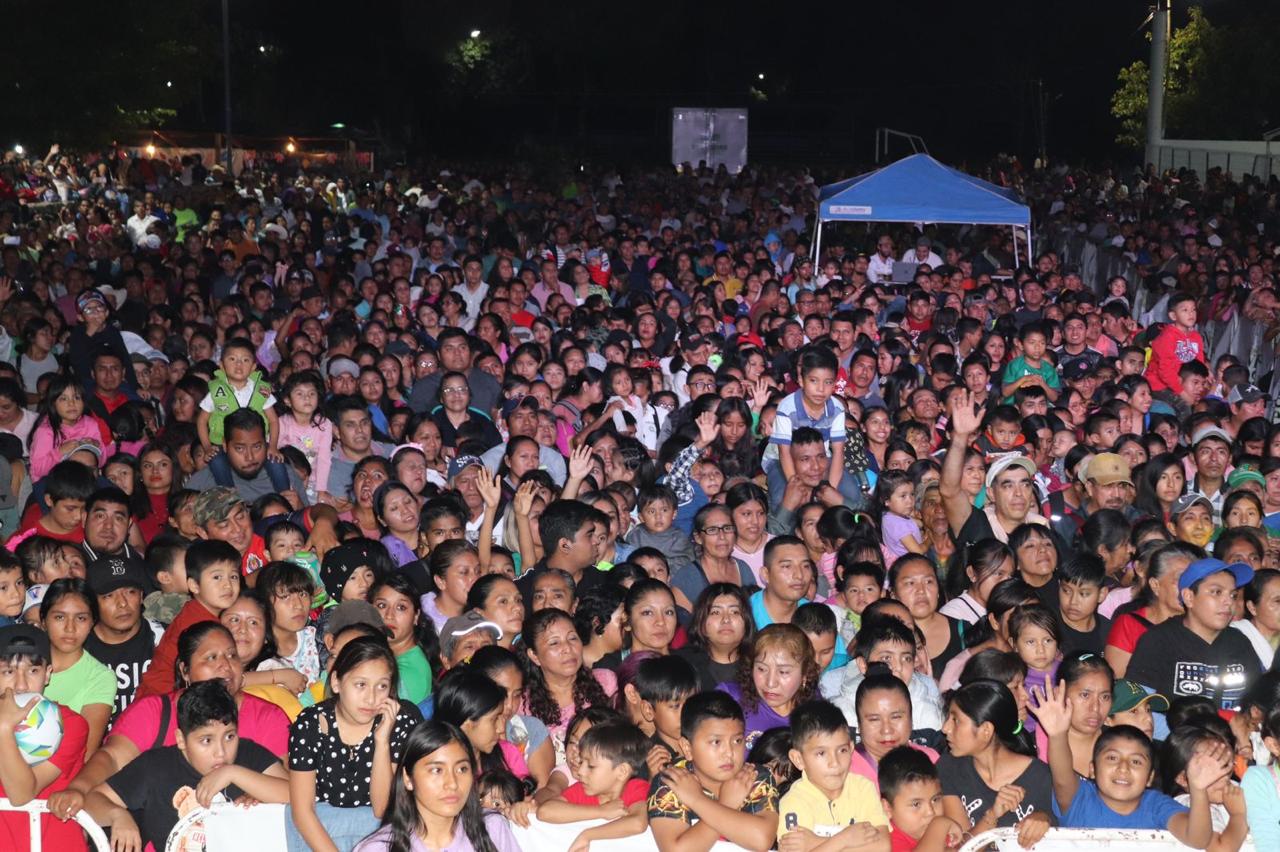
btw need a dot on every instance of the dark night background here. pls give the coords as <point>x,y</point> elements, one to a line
<point>597,80</point>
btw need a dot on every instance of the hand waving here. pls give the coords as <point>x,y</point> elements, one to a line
<point>964,419</point>
<point>523,501</point>
<point>490,489</point>
<point>1209,767</point>
<point>708,428</point>
<point>580,462</point>
<point>1052,708</point>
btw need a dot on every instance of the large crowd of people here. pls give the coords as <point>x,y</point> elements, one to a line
<point>434,502</point>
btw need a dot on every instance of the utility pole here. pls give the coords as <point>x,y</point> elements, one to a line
<point>226,81</point>
<point>1160,17</point>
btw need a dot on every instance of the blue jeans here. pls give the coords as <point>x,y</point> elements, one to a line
<point>346,826</point>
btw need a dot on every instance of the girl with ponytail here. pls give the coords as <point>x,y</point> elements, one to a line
<point>991,778</point>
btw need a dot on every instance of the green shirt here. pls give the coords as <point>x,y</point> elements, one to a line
<point>1019,367</point>
<point>87,682</point>
<point>415,675</point>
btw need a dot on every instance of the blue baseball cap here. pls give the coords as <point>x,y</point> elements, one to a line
<point>1202,568</point>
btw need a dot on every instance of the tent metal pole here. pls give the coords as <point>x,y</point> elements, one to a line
<point>817,243</point>
<point>1031,261</point>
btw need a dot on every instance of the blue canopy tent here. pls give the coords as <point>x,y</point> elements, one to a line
<point>920,189</point>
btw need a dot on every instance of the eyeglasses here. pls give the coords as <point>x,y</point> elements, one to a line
<point>703,385</point>
<point>454,390</point>
<point>726,529</point>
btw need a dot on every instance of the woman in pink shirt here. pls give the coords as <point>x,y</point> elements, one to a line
<point>205,651</point>
<point>883,707</point>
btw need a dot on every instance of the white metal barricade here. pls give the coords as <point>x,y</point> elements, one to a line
<point>36,808</point>
<point>1073,839</point>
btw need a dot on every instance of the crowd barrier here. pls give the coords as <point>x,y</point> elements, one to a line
<point>230,828</point>
<point>36,808</point>
<point>1073,839</point>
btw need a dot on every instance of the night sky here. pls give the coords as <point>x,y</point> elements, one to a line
<point>598,81</point>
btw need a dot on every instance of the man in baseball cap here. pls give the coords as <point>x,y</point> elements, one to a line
<point>1247,402</point>
<point>343,375</point>
<point>1108,484</point>
<point>1211,452</point>
<point>464,473</point>
<point>1198,654</point>
<point>221,514</point>
<point>122,640</point>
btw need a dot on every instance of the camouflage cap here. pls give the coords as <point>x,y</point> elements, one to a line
<point>214,505</point>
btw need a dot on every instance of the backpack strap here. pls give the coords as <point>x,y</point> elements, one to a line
<point>166,711</point>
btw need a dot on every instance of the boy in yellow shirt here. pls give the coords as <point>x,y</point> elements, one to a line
<point>829,807</point>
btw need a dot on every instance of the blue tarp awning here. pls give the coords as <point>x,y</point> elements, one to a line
<point>920,189</point>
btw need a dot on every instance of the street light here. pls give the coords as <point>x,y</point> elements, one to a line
<point>262,48</point>
<point>760,76</point>
<point>290,147</point>
<point>151,150</point>
<point>475,34</point>
<point>19,150</point>
<point>168,84</point>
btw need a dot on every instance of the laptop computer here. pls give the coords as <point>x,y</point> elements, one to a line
<point>903,273</point>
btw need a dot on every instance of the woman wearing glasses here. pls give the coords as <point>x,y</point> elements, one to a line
<point>455,410</point>
<point>715,536</point>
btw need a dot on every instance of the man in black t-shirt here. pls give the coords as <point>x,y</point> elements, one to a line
<point>122,640</point>
<point>1200,654</point>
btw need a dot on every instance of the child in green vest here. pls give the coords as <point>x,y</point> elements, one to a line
<point>237,385</point>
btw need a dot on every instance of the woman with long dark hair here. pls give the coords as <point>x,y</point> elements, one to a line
<point>559,685</point>
<point>1161,483</point>
<point>987,754</point>
<point>475,703</point>
<point>433,795</point>
<point>721,631</point>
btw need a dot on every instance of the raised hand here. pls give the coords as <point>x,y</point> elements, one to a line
<point>964,419</point>
<point>523,500</point>
<point>708,428</point>
<point>490,490</point>
<point>1052,708</point>
<point>760,394</point>
<point>1209,767</point>
<point>580,462</point>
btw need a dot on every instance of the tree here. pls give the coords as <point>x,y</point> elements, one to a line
<point>1193,49</point>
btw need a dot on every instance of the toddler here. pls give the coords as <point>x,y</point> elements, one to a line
<point>612,786</point>
<point>657,506</point>
<point>899,529</point>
